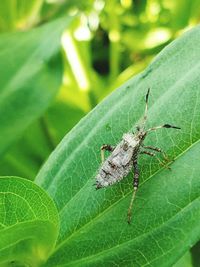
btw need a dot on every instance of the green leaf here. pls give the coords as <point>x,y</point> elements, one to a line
<point>28,223</point>
<point>166,211</point>
<point>30,77</point>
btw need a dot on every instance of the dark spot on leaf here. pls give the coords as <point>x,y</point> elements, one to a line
<point>146,73</point>
<point>108,127</point>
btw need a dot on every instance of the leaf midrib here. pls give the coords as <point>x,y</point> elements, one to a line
<point>23,199</point>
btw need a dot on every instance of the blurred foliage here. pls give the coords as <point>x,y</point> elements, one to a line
<point>109,42</point>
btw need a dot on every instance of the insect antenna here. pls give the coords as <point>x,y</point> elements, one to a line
<point>131,205</point>
<point>163,126</point>
<point>146,108</point>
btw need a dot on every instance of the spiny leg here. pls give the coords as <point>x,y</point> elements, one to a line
<point>135,187</point>
<point>148,153</point>
<point>103,148</point>
<point>154,155</point>
<point>157,149</point>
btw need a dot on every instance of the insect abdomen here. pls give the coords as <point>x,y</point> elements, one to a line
<point>110,173</point>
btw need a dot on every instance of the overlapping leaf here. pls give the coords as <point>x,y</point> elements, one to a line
<point>166,212</point>
<point>28,223</point>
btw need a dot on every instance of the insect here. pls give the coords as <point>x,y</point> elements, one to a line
<point>125,155</point>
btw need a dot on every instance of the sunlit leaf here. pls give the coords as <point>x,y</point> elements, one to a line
<point>166,212</point>
<point>28,223</point>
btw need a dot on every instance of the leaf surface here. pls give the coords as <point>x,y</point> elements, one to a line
<point>31,74</point>
<point>29,223</point>
<point>166,212</point>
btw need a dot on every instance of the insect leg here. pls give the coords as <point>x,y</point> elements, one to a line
<point>158,150</point>
<point>135,187</point>
<point>103,148</point>
<point>148,153</point>
<point>153,148</point>
<point>153,155</point>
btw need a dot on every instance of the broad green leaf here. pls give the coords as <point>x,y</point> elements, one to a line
<point>166,212</point>
<point>28,223</point>
<point>30,77</point>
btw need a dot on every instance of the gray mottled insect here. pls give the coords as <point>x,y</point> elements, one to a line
<point>124,157</point>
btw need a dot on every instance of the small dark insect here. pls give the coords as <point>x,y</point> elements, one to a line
<point>124,156</point>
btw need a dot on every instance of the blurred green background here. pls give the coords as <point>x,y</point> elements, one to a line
<point>107,43</point>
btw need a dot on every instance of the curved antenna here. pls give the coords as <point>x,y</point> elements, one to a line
<point>163,126</point>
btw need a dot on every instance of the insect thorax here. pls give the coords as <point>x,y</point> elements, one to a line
<point>131,139</point>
